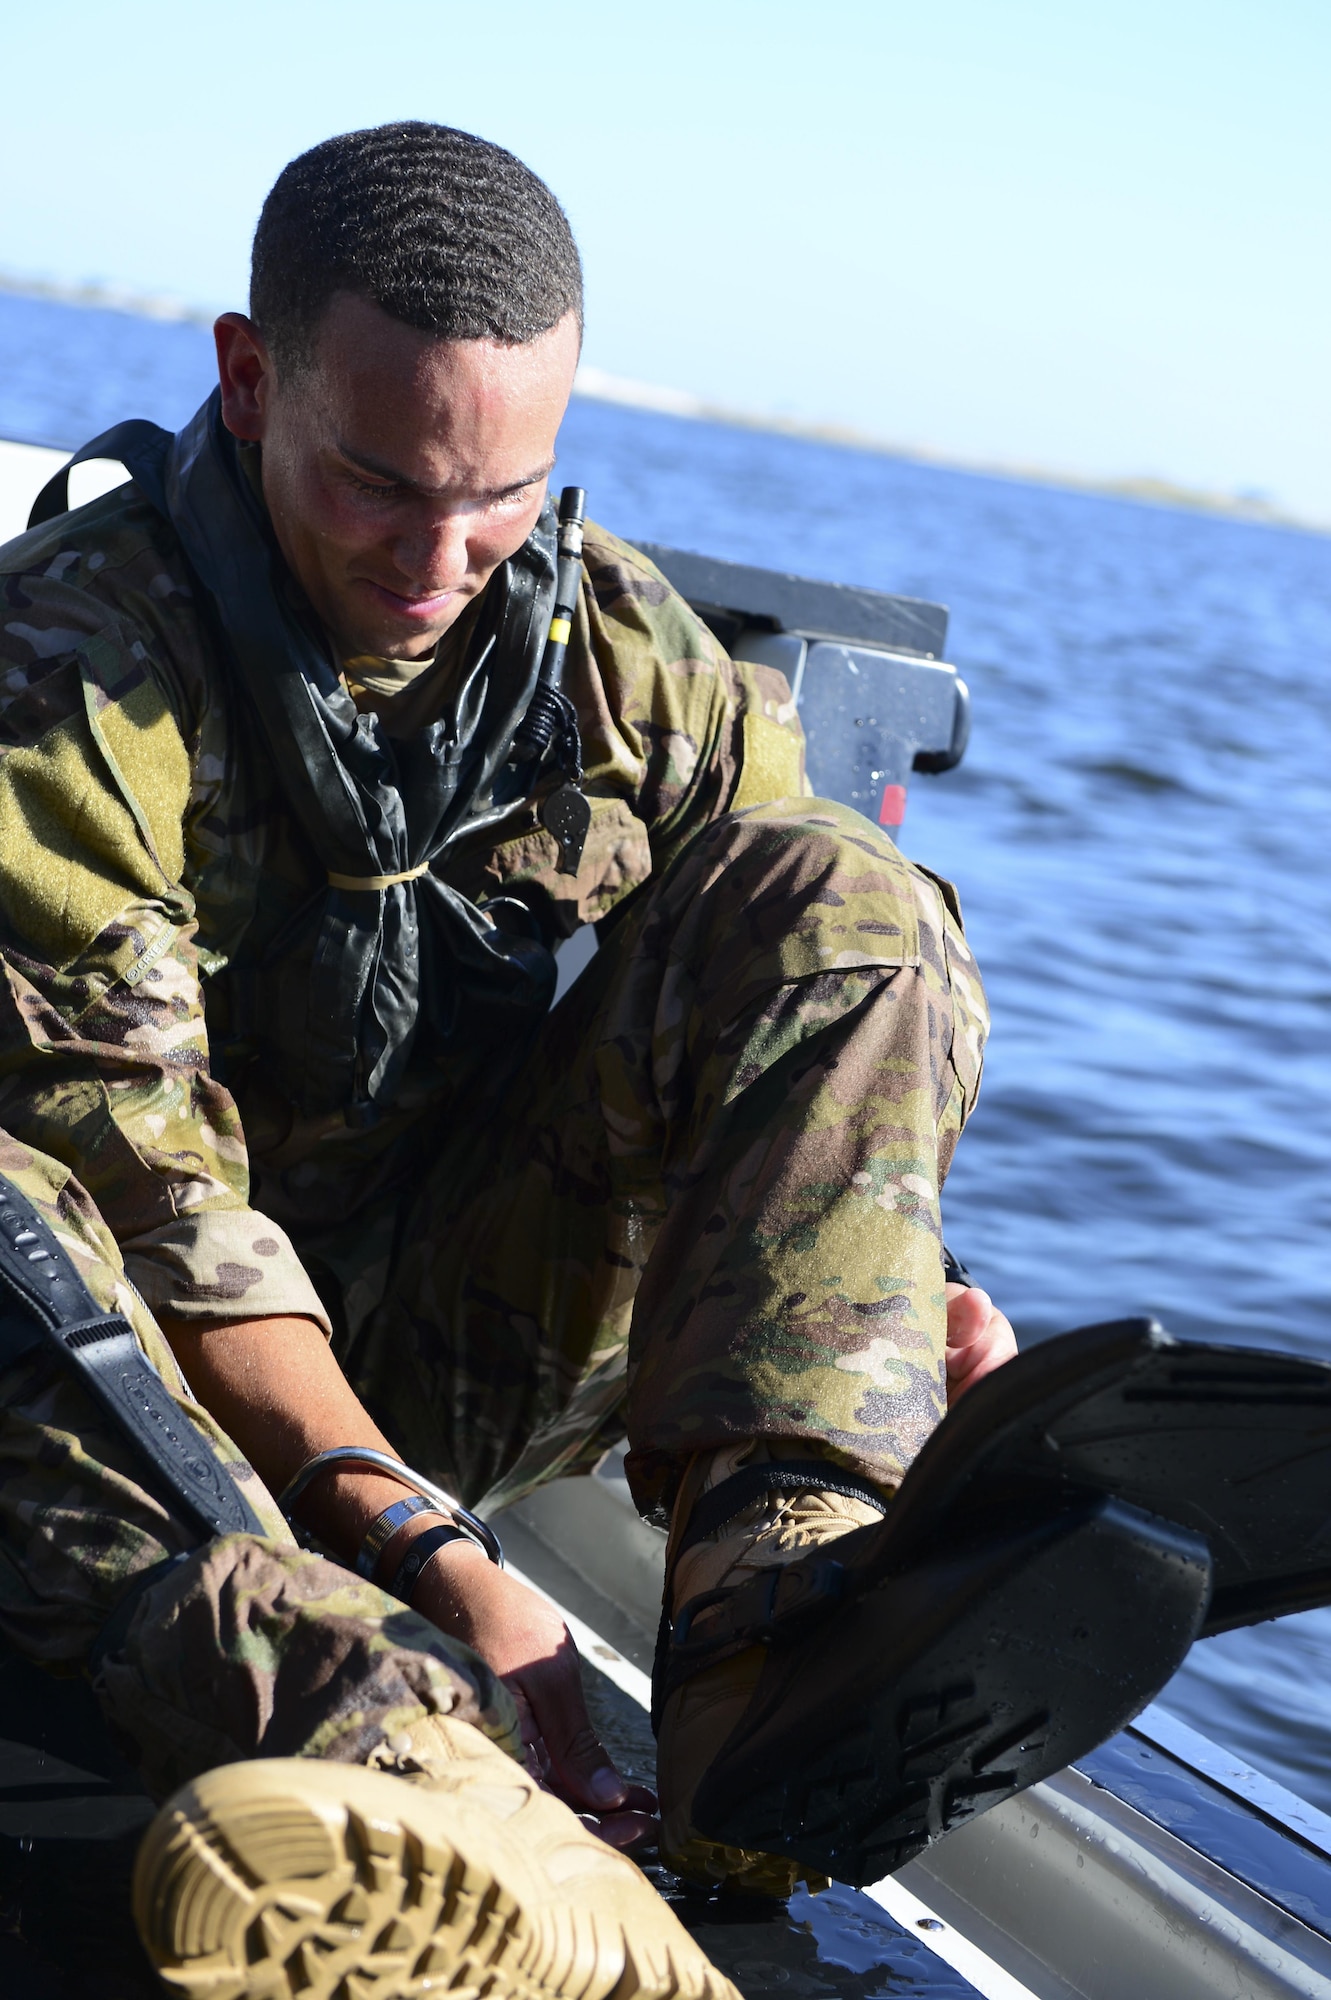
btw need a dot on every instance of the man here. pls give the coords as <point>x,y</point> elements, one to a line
<point>278,895</point>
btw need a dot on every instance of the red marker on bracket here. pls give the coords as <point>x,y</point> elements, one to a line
<point>893,809</point>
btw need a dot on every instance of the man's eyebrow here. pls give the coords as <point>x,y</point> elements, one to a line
<point>378,469</point>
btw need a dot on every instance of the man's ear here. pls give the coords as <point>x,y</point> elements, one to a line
<point>245,370</point>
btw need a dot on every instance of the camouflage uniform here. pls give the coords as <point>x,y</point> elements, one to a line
<point>244,1647</point>
<point>710,1181</point>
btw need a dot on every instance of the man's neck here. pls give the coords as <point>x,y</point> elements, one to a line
<point>408,694</point>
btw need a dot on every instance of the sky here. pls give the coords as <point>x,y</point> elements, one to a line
<point>1084,238</point>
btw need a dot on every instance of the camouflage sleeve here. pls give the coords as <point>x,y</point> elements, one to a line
<point>670,722</point>
<point>103,1050</point>
<point>674,733</point>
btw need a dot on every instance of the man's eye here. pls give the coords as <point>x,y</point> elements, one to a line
<point>377,492</point>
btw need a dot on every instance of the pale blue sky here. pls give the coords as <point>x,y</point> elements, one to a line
<point>1082,236</point>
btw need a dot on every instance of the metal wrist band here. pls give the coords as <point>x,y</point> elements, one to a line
<point>346,1455</point>
<point>381,1531</point>
<point>408,1572</point>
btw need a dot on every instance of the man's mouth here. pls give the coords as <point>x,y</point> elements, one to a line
<point>420,608</point>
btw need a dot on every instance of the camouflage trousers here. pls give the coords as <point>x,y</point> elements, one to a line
<point>706,1206</point>
<point>246,1646</point>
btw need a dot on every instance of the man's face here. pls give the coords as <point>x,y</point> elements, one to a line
<point>400,470</point>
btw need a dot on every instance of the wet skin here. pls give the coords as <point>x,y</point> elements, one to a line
<point>399,470</point>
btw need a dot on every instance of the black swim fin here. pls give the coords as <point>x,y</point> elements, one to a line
<point>1233,1443</point>
<point>1081,1516</point>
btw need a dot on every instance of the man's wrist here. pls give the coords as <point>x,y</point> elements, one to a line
<point>362,1458</point>
<point>380,1559</point>
<point>342,1507</point>
<point>434,1541</point>
<point>385,1526</point>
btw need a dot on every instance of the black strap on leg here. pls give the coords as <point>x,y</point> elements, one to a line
<point>43,1298</point>
<point>771,1600</point>
<point>751,1482</point>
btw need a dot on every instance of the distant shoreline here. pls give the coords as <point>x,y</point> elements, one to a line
<point>1146,489</point>
<point>598,385</point>
<point>107,298</point>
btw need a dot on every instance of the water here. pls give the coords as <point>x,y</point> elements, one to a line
<point>1138,833</point>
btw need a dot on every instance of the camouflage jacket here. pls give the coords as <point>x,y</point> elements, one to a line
<point>147,853</point>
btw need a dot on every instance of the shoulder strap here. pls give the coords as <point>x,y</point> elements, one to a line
<point>47,1299</point>
<point>138,445</point>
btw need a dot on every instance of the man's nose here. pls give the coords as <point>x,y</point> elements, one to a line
<point>432,550</point>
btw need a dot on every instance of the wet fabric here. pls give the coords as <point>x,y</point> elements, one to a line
<point>250,1646</point>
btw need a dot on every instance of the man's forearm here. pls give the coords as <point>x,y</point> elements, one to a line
<point>276,1389</point>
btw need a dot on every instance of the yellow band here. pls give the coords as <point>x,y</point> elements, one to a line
<point>559,631</point>
<point>376,881</point>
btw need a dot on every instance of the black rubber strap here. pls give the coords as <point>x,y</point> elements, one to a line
<point>408,1572</point>
<point>47,1300</point>
<point>954,1273</point>
<point>137,445</point>
<point>774,1599</point>
<point>751,1482</point>
<point>769,1603</point>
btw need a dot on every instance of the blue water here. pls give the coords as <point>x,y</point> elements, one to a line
<point>1138,832</point>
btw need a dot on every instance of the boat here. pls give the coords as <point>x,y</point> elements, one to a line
<point>1159,1867</point>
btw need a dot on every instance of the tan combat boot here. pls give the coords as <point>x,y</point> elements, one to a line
<point>775,1529</point>
<point>444,1869</point>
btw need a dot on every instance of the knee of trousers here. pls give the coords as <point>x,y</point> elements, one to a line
<point>253,1648</point>
<point>83,1510</point>
<point>795,889</point>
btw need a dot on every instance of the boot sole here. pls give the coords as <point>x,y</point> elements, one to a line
<point>939,1693</point>
<point>294,1878</point>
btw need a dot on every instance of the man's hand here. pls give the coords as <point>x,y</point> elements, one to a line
<point>276,1388</point>
<point>524,1639</point>
<point>979,1339</point>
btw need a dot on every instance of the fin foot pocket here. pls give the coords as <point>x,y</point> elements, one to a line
<point>968,1678</point>
<point>1231,1443</point>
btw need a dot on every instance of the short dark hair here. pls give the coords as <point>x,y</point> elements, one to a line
<point>442,230</point>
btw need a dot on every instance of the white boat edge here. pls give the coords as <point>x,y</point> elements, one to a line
<point>25,469</point>
<point>984,1973</point>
